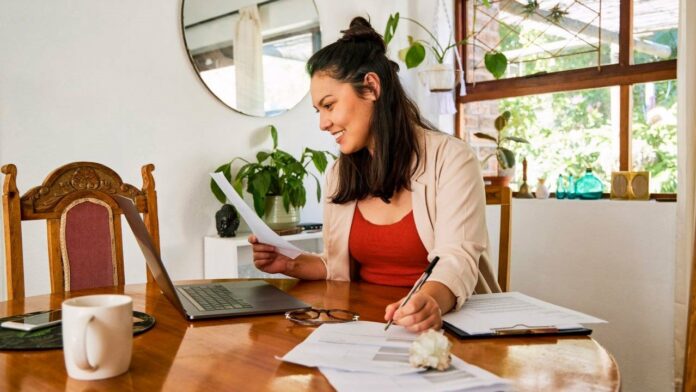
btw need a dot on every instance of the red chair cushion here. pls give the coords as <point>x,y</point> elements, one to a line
<point>89,245</point>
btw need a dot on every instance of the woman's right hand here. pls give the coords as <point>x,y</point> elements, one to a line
<point>267,259</point>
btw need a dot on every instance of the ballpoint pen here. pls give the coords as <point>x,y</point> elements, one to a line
<point>416,287</point>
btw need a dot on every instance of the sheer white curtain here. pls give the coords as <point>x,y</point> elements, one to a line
<point>248,61</point>
<point>686,142</point>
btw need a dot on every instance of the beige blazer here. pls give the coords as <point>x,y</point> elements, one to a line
<point>449,203</point>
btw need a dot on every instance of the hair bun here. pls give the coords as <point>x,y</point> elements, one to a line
<point>361,30</point>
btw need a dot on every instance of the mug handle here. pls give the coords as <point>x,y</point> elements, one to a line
<point>80,346</point>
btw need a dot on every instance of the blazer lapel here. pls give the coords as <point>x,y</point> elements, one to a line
<point>419,186</point>
<point>343,220</point>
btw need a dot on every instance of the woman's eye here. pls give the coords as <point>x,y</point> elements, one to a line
<point>328,106</point>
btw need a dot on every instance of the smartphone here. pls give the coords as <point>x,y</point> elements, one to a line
<point>34,321</point>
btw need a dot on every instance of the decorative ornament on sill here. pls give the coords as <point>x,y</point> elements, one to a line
<point>524,192</point>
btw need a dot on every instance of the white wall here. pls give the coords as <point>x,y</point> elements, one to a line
<point>111,82</point>
<point>611,259</point>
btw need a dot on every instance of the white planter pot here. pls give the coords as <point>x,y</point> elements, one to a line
<point>276,217</point>
<point>439,77</point>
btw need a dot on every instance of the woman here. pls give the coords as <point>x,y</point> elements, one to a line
<point>399,194</point>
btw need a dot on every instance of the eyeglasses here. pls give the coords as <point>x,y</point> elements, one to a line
<point>312,316</point>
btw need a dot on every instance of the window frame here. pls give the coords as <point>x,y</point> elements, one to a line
<point>623,74</point>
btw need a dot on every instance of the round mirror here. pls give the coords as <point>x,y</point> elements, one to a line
<point>252,54</point>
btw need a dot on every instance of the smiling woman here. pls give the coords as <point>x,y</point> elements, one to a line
<point>400,194</point>
<point>251,57</point>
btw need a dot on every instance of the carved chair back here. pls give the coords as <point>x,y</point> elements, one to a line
<point>501,195</point>
<point>83,223</point>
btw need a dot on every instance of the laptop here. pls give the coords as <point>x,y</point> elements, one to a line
<point>209,300</point>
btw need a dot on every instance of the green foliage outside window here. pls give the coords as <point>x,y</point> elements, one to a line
<point>571,131</point>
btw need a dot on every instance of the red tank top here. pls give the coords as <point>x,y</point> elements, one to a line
<point>391,255</point>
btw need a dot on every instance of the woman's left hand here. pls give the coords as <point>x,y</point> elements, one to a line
<point>421,313</point>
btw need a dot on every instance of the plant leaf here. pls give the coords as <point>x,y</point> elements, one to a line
<point>516,139</point>
<point>506,158</point>
<point>507,115</point>
<point>487,3</point>
<point>496,63</point>
<point>389,32</point>
<point>500,122</point>
<point>274,135</point>
<point>482,135</point>
<point>259,204</point>
<point>261,182</point>
<point>320,161</point>
<point>217,192</point>
<point>318,188</point>
<point>402,53</point>
<point>415,55</point>
<point>262,156</point>
<point>286,200</point>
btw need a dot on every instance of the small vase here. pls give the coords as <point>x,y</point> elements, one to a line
<point>276,217</point>
<point>542,192</point>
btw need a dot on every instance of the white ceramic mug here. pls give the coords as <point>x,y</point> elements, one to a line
<point>97,336</point>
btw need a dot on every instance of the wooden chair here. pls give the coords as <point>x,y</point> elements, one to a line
<point>502,196</point>
<point>83,224</point>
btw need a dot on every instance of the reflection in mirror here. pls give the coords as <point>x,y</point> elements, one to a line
<point>251,55</point>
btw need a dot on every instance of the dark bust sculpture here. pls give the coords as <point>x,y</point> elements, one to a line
<point>227,221</point>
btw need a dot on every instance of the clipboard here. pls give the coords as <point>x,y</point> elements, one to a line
<point>518,330</point>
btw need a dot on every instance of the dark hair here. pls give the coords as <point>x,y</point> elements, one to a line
<point>394,121</point>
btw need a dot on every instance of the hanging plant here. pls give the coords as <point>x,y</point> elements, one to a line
<point>414,54</point>
<point>556,14</point>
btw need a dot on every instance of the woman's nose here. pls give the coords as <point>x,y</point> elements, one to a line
<point>324,122</point>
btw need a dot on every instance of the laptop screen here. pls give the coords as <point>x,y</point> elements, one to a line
<point>154,263</point>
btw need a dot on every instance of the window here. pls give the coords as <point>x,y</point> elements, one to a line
<point>533,39</point>
<point>567,132</point>
<point>654,142</point>
<point>591,86</point>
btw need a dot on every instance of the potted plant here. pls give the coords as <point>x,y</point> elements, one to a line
<point>276,182</point>
<point>505,156</point>
<point>440,76</point>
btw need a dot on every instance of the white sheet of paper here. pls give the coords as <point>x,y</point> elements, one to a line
<point>363,333</point>
<point>460,377</point>
<point>360,346</point>
<point>483,313</point>
<point>257,226</point>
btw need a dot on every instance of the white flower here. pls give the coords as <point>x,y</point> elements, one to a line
<point>431,350</point>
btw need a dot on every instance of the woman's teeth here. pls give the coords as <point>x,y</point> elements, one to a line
<point>338,134</point>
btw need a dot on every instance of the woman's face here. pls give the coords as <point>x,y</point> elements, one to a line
<point>342,112</point>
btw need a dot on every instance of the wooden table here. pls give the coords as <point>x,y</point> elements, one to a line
<point>239,353</point>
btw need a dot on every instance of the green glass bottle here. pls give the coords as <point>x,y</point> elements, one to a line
<point>572,188</point>
<point>560,187</point>
<point>589,187</point>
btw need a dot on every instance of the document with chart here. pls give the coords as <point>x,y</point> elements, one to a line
<point>360,356</point>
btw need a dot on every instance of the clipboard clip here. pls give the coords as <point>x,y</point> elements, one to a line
<point>523,329</point>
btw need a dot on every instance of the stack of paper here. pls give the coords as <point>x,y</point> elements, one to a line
<point>360,356</point>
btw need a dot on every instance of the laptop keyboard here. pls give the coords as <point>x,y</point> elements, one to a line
<point>214,297</point>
